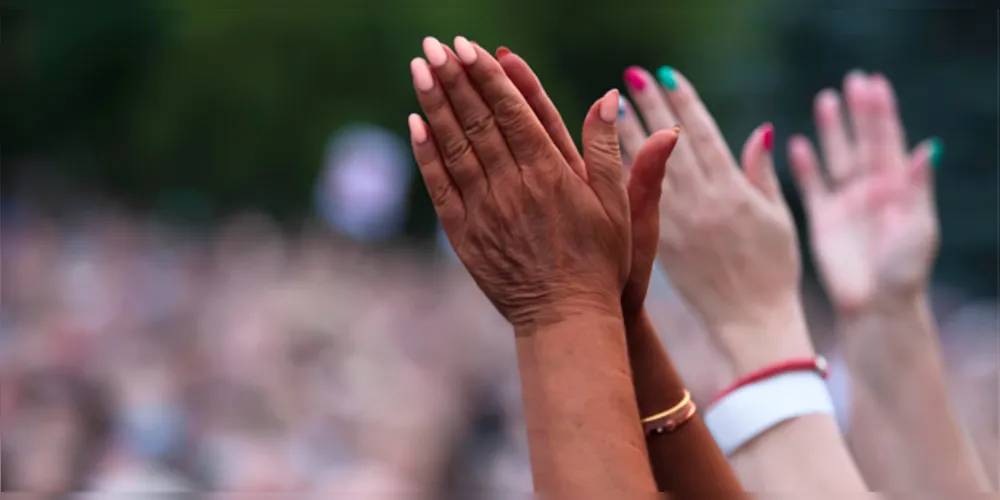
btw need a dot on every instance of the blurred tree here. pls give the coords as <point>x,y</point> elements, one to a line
<point>234,105</point>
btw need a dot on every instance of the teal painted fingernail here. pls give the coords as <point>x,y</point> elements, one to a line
<point>621,106</point>
<point>936,150</point>
<point>666,77</point>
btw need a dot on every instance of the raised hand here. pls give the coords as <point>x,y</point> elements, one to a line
<point>873,227</point>
<point>543,235</point>
<point>727,239</point>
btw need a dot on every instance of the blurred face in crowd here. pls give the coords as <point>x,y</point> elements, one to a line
<point>45,435</point>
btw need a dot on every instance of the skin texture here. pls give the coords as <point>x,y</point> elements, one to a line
<point>685,462</point>
<point>715,219</point>
<point>874,231</point>
<point>548,241</point>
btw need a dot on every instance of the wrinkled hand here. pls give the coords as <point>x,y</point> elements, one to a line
<point>543,231</point>
<point>645,177</point>
<point>727,239</point>
<point>873,229</point>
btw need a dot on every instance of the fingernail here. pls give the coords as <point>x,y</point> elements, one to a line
<point>621,106</point>
<point>768,137</point>
<point>466,52</point>
<point>936,150</point>
<point>676,129</point>
<point>502,51</point>
<point>608,109</point>
<point>666,77</point>
<point>634,78</point>
<point>418,134</point>
<point>434,52</point>
<point>422,78</point>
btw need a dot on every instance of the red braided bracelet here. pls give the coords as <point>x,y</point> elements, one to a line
<point>817,364</point>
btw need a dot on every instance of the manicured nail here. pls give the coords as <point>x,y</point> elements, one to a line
<point>666,77</point>
<point>621,106</point>
<point>422,78</point>
<point>608,109</point>
<point>634,78</point>
<point>434,52</point>
<point>418,134</point>
<point>936,150</point>
<point>502,51</point>
<point>768,137</point>
<point>466,52</point>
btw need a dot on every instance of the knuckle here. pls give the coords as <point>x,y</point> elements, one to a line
<point>479,125</point>
<point>606,146</point>
<point>455,150</point>
<point>510,111</point>
<point>440,194</point>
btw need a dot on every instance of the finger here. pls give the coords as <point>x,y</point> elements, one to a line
<point>758,162</point>
<point>474,116</point>
<point>652,105</point>
<point>889,142</point>
<point>856,93</point>
<point>631,135</point>
<point>805,169</point>
<point>645,187</point>
<point>700,128</point>
<point>833,138</point>
<point>455,149</point>
<point>443,192</point>
<point>524,133</point>
<point>645,183</point>
<point>602,157</point>
<point>522,76</point>
<point>925,159</point>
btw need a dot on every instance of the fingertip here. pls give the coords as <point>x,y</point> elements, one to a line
<point>827,106</point>
<point>418,129</point>
<point>609,106</point>
<point>502,51</point>
<point>767,136</point>
<point>423,80</point>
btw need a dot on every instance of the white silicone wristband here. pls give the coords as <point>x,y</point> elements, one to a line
<point>753,409</point>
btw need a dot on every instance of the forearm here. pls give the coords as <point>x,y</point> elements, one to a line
<point>584,432</point>
<point>804,453</point>
<point>903,428</point>
<point>685,462</point>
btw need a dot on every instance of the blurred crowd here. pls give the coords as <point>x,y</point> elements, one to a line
<point>140,356</point>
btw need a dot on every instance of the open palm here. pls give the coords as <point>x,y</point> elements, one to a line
<point>875,230</point>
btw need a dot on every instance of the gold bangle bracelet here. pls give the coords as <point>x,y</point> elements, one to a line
<point>669,420</point>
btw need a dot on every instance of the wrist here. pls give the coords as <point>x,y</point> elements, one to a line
<point>575,310</point>
<point>883,303</point>
<point>897,333</point>
<point>772,338</point>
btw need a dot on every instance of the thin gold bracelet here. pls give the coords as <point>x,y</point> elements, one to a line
<point>669,420</point>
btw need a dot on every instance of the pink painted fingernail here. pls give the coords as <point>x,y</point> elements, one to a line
<point>466,52</point>
<point>422,78</point>
<point>634,78</point>
<point>418,134</point>
<point>608,109</point>
<point>768,137</point>
<point>434,52</point>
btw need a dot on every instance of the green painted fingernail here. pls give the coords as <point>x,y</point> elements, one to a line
<point>666,77</point>
<point>936,150</point>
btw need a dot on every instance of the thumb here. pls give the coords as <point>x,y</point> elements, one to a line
<point>645,186</point>
<point>758,161</point>
<point>601,154</point>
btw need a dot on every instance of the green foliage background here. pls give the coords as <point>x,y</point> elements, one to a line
<point>232,103</point>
